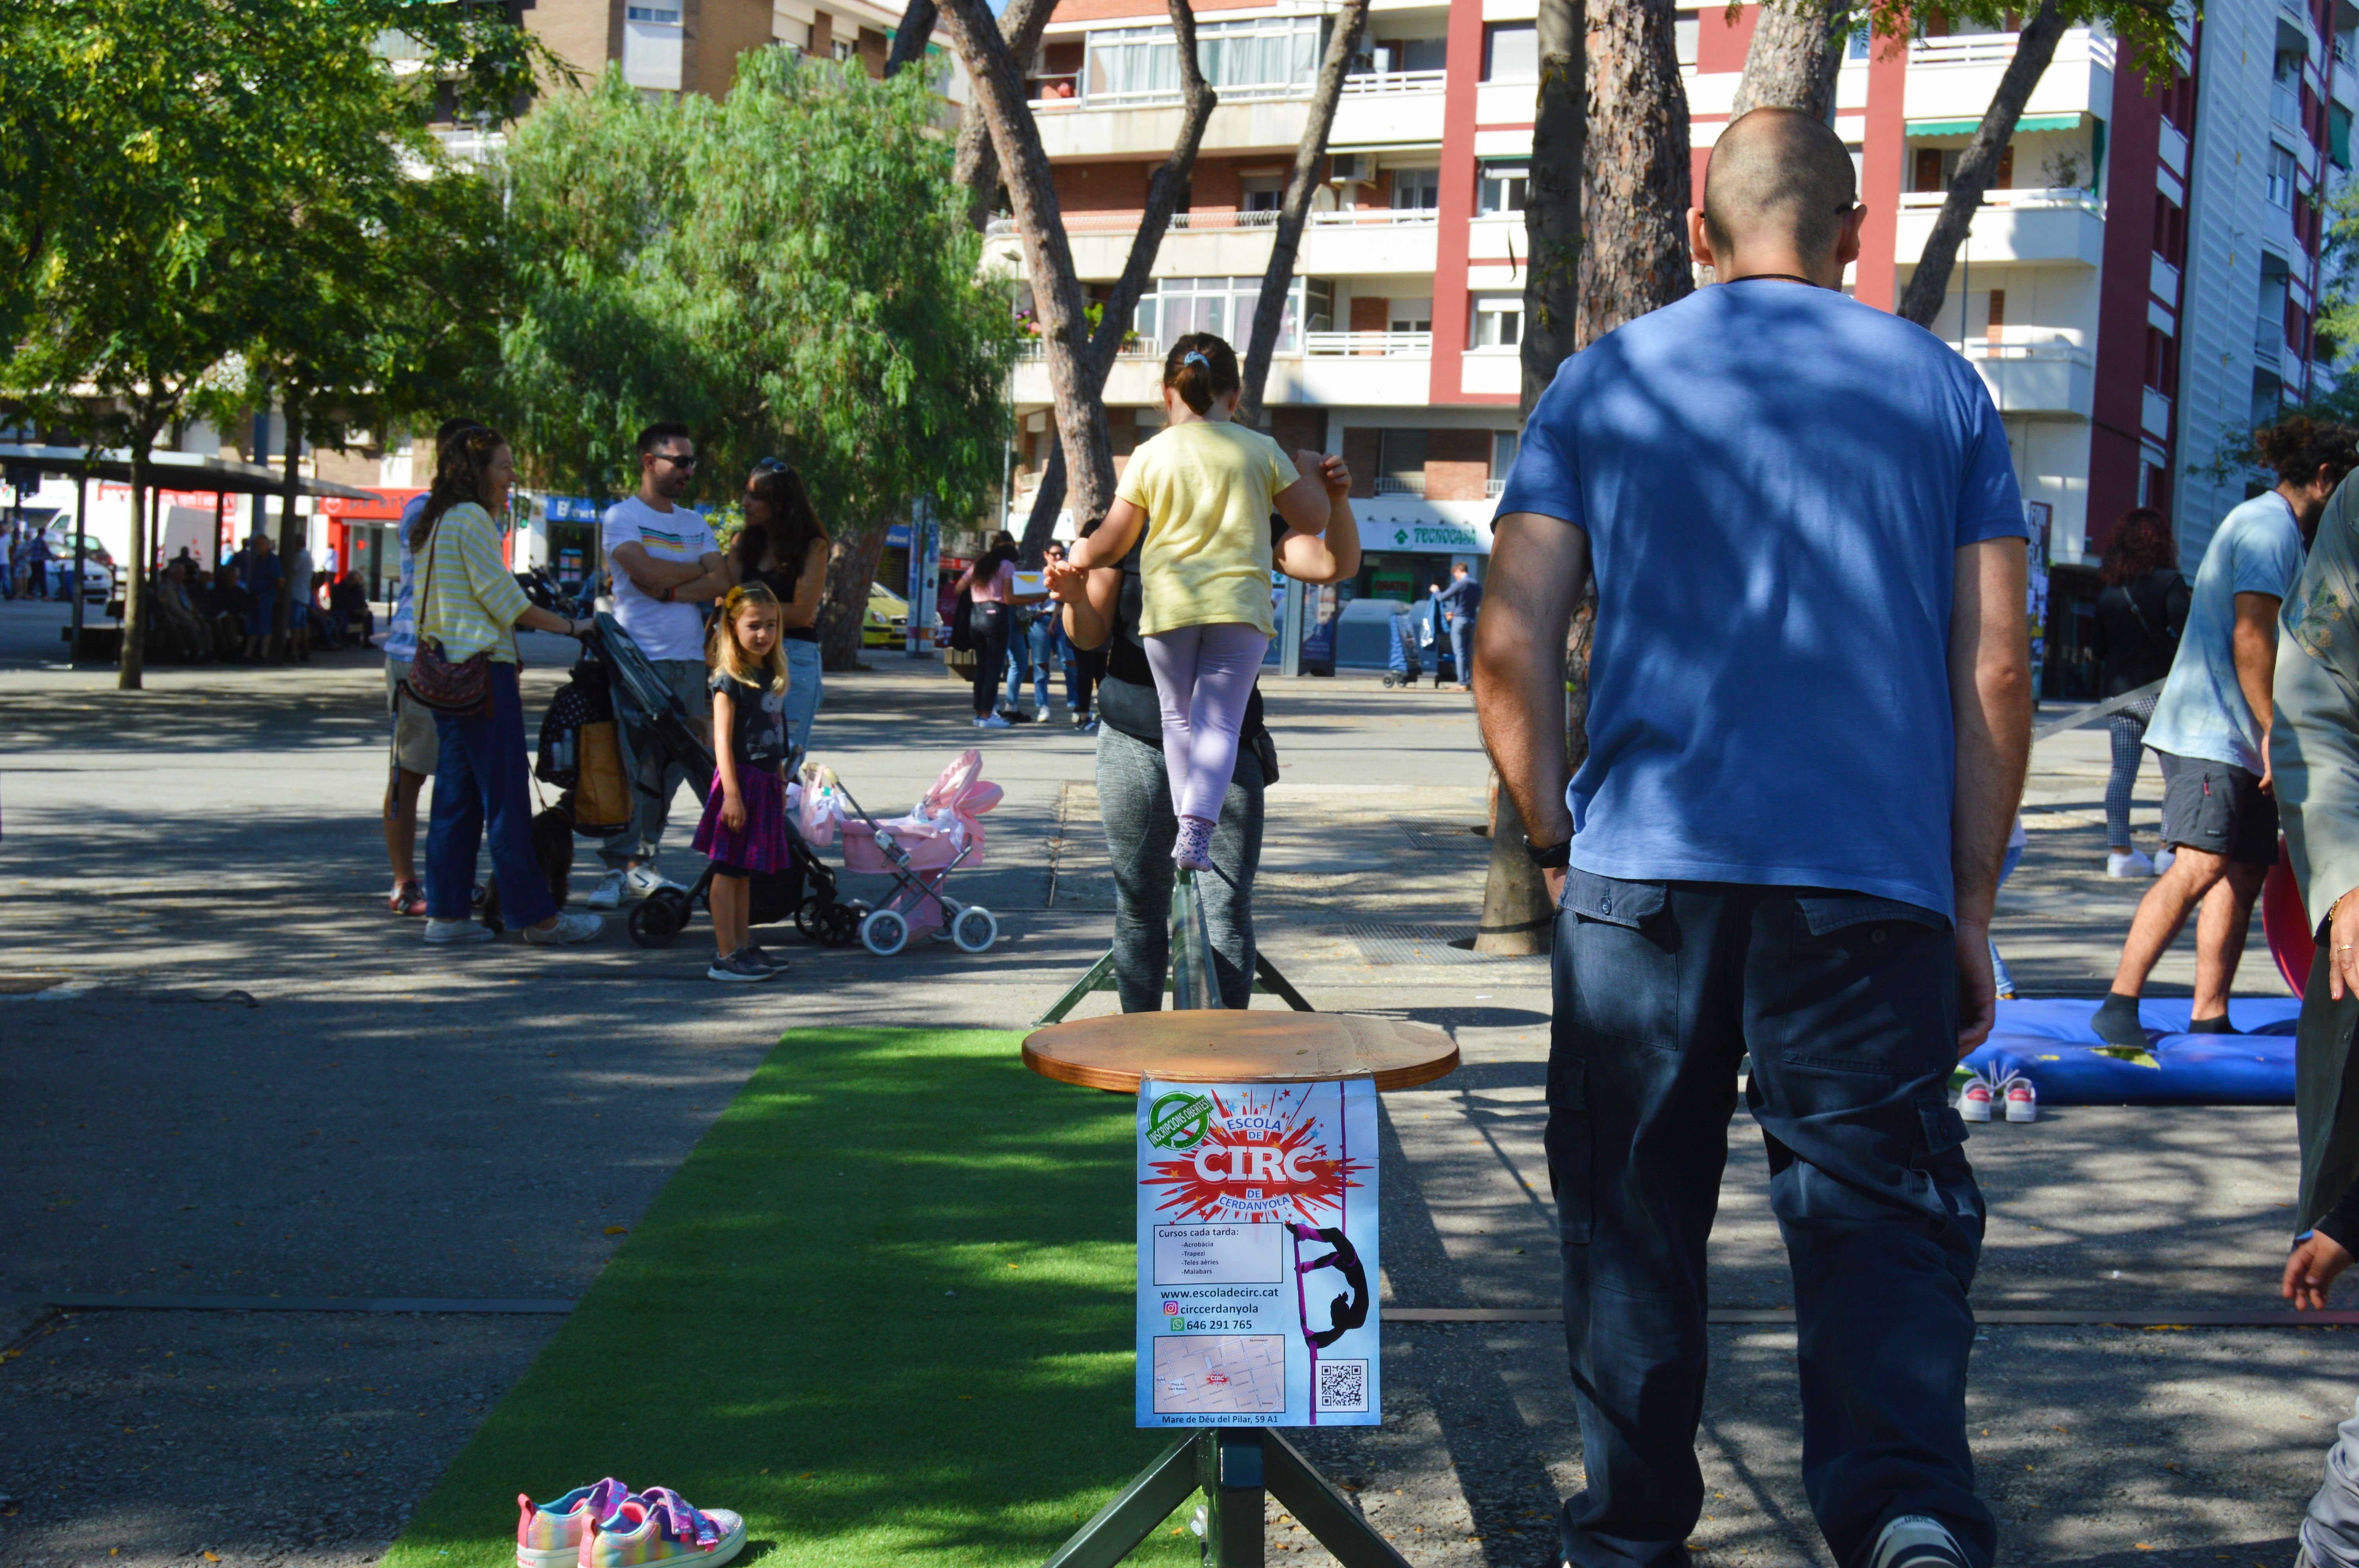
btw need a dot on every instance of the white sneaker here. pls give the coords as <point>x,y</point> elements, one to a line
<point>992,722</point>
<point>2022,1099</point>
<point>2163,859</point>
<point>442,933</point>
<point>644,879</point>
<point>568,930</point>
<point>608,893</point>
<point>1974,1100</point>
<point>2126,866</point>
<point>1916,1541</point>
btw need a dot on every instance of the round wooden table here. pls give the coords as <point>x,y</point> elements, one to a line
<point>1220,1046</point>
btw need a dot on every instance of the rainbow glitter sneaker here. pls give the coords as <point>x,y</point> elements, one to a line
<point>550,1535</point>
<point>658,1526</point>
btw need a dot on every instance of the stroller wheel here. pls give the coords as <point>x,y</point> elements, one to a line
<point>976,929</point>
<point>838,927</point>
<point>809,915</point>
<point>655,922</point>
<point>884,932</point>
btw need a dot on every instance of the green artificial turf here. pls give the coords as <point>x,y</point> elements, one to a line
<point>884,1310</point>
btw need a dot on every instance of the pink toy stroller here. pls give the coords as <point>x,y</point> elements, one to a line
<point>919,852</point>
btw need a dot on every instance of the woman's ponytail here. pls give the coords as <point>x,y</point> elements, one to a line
<point>1200,368</point>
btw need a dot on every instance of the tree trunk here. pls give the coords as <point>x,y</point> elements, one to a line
<point>291,531</point>
<point>1515,914</point>
<point>1553,206</point>
<point>1635,203</point>
<point>1048,257</point>
<point>977,165</point>
<point>2035,46</point>
<point>1113,321</point>
<point>1795,53</point>
<point>132,660</point>
<point>843,603</point>
<point>1295,209</point>
<point>911,37</point>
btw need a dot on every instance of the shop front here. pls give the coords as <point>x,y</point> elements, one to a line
<point>361,533</point>
<point>1408,546</point>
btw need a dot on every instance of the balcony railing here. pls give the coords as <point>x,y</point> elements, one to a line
<point>1322,345</point>
<point>1125,222</point>
<point>2025,201</point>
<point>1036,351</point>
<point>1070,90</point>
<point>1495,488</point>
<point>2269,335</point>
<point>1395,82</point>
<point>1400,484</point>
<point>2069,353</point>
<point>1997,49</point>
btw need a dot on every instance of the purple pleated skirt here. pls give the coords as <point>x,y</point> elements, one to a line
<point>762,844</point>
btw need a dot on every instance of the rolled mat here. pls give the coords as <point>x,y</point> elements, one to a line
<point>2050,1043</point>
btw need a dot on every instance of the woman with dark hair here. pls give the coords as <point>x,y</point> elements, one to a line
<point>2140,613</point>
<point>990,582</point>
<point>469,603</point>
<point>784,548</point>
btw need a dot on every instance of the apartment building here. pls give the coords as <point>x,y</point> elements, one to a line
<point>2139,287</point>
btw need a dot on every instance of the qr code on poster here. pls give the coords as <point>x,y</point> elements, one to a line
<point>1343,1385</point>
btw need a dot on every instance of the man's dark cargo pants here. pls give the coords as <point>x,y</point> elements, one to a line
<point>1849,1006</point>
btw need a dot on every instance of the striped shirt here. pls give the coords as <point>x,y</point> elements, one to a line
<point>469,599</point>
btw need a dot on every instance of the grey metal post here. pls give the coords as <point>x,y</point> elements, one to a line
<point>82,534</point>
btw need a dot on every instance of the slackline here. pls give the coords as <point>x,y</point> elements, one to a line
<point>2049,1317</point>
<point>78,1300</point>
<point>2090,714</point>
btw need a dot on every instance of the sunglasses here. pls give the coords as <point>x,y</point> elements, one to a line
<point>773,465</point>
<point>677,461</point>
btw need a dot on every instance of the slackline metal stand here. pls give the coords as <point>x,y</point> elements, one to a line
<point>1191,975</point>
<point>1233,1466</point>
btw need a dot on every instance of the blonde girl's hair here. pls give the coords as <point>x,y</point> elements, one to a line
<point>728,655</point>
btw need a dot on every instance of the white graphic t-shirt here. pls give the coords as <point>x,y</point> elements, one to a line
<point>662,631</point>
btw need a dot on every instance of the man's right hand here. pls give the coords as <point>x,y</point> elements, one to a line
<point>2310,1273</point>
<point>1977,987</point>
<point>1553,877</point>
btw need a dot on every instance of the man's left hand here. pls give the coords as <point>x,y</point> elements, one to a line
<point>1977,987</point>
<point>1553,877</point>
<point>2310,1273</point>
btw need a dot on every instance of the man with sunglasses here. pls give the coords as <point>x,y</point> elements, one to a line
<point>665,563</point>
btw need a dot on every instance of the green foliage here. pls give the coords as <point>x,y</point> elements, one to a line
<point>2150,28</point>
<point>788,271</point>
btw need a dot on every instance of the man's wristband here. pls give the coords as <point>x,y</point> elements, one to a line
<point>1550,857</point>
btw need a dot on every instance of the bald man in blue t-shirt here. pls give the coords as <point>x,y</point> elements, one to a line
<point>1810,714</point>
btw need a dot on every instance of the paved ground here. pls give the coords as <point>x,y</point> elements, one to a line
<point>253,1081</point>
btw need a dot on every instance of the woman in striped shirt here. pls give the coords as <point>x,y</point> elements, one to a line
<point>468,602</point>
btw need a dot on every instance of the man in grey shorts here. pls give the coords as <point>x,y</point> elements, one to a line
<point>2211,729</point>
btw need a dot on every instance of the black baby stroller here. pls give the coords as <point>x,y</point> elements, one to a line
<point>613,667</point>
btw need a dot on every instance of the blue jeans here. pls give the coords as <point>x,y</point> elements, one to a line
<point>1044,639</point>
<point>1848,1005</point>
<point>1461,644</point>
<point>480,782</point>
<point>804,690</point>
<point>1019,660</point>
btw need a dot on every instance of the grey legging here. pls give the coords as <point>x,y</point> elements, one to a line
<point>1135,804</point>
<point>2129,746</point>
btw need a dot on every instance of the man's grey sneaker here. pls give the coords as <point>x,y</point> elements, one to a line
<point>568,930</point>
<point>1917,1541</point>
<point>442,933</point>
<point>743,967</point>
<point>774,962</point>
<point>608,893</point>
<point>644,879</point>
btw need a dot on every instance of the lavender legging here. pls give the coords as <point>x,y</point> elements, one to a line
<point>1204,677</point>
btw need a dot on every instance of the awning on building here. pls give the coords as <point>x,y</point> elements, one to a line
<point>2025,126</point>
<point>172,470</point>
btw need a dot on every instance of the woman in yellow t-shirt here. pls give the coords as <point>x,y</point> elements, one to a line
<point>1202,491</point>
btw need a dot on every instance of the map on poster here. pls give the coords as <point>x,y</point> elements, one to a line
<point>1257,1255</point>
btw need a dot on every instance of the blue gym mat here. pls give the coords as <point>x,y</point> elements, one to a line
<point>2050,1043</point>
